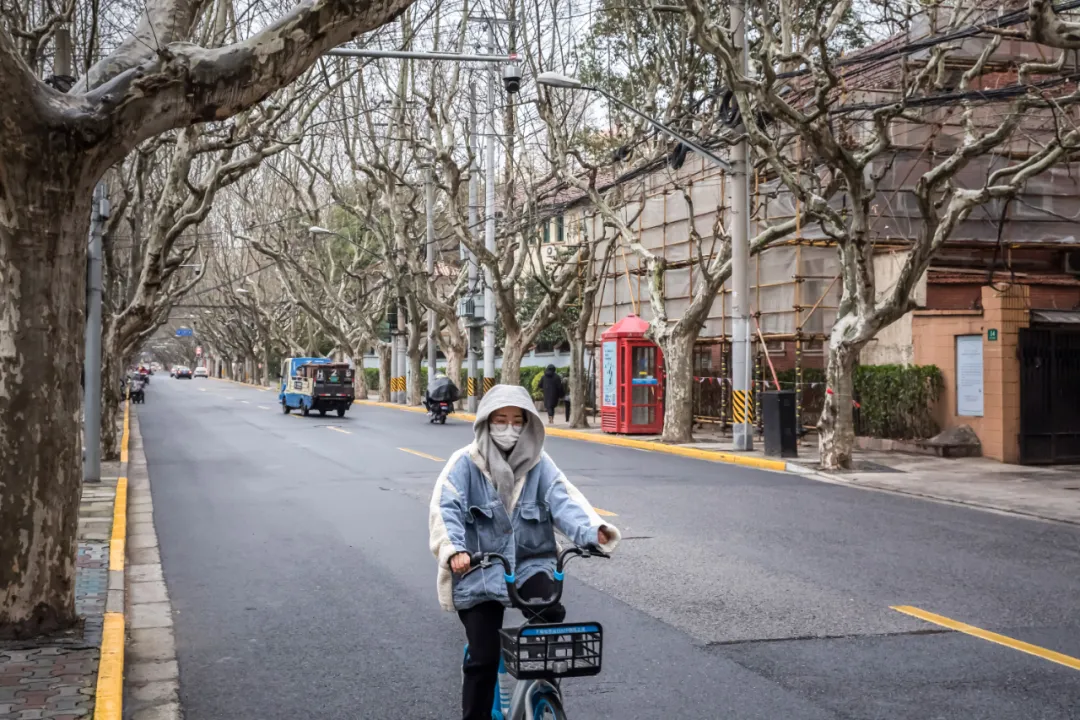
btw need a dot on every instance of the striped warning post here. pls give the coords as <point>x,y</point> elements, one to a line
<point>488,383</point>
<point>472,386</point>
<point>742,406</point>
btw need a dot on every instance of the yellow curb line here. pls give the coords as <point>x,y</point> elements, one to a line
<point>707,455</point>
<point>118,539</point>
<point>108,701</point>
<point>109,695</point>
<point>1052,656</point>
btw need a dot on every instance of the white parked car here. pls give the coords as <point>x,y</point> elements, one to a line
<point>200,372</point>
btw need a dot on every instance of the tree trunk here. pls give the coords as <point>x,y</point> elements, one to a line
<point>415,391</point>
<point>265,379</point>
<point>678,387</point>
<point>44,219</point>
<point>383,349</point>
<point>453,367</point>
<point>110,404</point>
<point>360,386</point>
<point>512,352</point>
<point>836,428</point>
<point>578,381</point>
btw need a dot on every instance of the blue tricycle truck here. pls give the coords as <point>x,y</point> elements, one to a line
<point>318,384</point>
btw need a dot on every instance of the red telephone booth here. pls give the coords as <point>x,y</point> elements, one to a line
<point>631,386</point>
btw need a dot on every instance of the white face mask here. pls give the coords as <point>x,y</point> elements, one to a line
<point>505,436</point>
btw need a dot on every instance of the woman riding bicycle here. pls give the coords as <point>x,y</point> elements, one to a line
<point>503,494</point>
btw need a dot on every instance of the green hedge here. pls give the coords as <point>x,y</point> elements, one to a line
<point>897,401</point>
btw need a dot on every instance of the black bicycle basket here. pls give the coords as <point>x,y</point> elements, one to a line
<point>545,651</point>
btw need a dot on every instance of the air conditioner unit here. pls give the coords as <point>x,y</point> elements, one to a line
<point>550,251</point>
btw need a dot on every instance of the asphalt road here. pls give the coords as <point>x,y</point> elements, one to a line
<point>295,553</point>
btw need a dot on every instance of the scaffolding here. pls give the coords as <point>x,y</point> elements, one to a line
<point>794,284</point>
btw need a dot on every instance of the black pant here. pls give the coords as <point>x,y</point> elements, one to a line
<point>482,623</point>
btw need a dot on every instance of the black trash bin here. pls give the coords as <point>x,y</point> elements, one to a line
<point>781,423</point>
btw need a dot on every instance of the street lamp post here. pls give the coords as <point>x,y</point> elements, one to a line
<point>739,203</point>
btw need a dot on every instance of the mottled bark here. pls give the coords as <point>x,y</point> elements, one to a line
<point>678,350</point>
<point>111,374</point>
<point>44,219</point>
<point>383,349</point>
<point>513,350</point>
<point>578,382</point>
<point>360,386</point>
<point>836,428</point>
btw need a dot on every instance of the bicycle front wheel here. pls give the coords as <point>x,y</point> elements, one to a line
<point>548,707</point>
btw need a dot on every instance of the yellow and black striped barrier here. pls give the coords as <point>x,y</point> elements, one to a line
<point>472,387</point>
<point>488,383</point>
<point>742,406</point>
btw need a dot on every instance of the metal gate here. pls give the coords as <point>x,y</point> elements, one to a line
<point>1049,395</point>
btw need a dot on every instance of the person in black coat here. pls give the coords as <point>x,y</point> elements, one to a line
<point>551,386</point>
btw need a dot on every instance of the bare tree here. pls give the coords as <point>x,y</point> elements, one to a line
<point>852,132</point>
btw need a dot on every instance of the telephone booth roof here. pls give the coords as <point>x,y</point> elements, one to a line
<point>630,326</point>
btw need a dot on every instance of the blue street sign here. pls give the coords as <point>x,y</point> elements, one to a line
<point>184,332</point>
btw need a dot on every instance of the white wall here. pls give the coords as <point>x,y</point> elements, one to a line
<point>894,345</point>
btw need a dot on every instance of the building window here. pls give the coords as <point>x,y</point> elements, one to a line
<point>547,232</point>
<point>559,235</point>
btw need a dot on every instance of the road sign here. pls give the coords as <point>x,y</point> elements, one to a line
<point>991,335</point>
<point>184,332</point>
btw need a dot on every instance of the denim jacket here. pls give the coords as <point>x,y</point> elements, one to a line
<point>466,515</point>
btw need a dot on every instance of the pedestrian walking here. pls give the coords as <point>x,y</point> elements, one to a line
<point>551,387</point>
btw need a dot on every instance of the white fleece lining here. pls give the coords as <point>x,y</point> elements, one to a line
<point>439,540</point>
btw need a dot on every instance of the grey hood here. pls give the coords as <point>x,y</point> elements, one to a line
<point>505,469</point>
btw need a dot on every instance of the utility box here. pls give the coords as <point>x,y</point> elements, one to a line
<point>781,423</point>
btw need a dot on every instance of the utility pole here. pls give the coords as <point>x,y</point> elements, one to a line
<point>92,362</point>
<point>403,353</point>
<point>742,395</point>
<point>474,172</point>
<point>489,221</point>
<point>432,324</point>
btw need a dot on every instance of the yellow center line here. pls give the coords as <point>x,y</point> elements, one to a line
<point>993,637</point>
<point>423,455</point>
<point>337,429</point>
<point>605,513</point>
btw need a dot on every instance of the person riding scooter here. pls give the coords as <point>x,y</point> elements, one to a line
<point>440,397</point>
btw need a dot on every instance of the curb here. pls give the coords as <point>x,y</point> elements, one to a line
<point>707,455</point>
<point>109,695</point>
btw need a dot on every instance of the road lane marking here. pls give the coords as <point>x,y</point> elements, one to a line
<point>246,402</point>
<point>337,429</point>
<point>202,389</point>
<point>263,407</point>
<point>423,455</point>
<point>993,637</point>
<point>605,513</point>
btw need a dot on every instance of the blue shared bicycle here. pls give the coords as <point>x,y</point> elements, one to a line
<point>536,656</point>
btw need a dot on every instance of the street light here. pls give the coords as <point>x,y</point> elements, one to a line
<point>558,80</point>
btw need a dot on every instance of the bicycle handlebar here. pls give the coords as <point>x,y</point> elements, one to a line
<point>481,560</point>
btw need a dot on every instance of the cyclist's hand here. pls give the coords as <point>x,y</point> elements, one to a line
<point>460,563</point>
<point>601,535</point>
